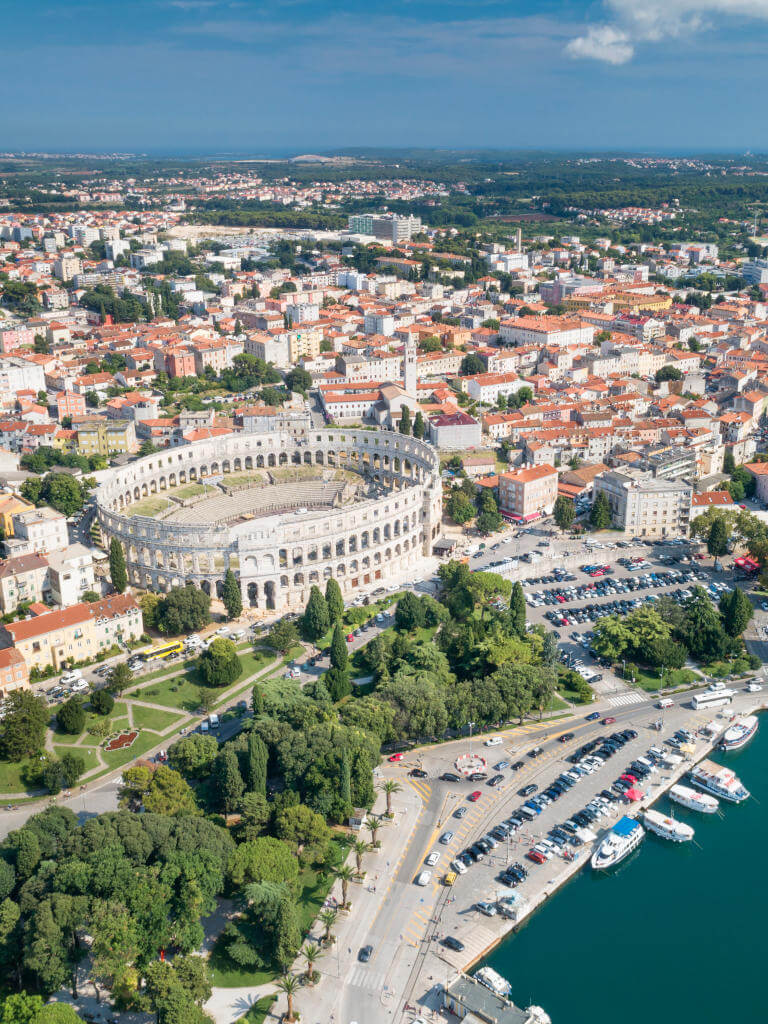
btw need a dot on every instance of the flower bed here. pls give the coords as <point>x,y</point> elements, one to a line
<point>125,739</point>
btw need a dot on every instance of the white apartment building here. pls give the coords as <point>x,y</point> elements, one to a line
<point>486,387</point>
<point>70,574</point>
<point>66,267</point>
<point>38,530</point>
<point>379,323</point>
<point>17,374</point>
<point>646,506</point>
<point>272,350</point>
<point>546,330</point>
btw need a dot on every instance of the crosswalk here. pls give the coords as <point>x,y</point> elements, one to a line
<point>622,699</point>
<point>366,978</point>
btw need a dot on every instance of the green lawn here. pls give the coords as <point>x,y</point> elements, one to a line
<point>153,718</point>
<point>149,507</point>
<point>191,491</point>
<point>117,718</point>
<point>258,1012</point>
<point>88,754</point>
<point>182,691</point>
<point>314,888</point>
<point>11,777</point>
<point>143,742</point>
<point>650,678</point>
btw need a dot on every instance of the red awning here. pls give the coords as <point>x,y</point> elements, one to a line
<point>634,794</point>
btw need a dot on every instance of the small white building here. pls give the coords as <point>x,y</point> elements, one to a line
<point>70,574</point>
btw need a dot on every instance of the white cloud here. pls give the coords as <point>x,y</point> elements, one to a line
<point>651,21</point>
<point>603,42</point>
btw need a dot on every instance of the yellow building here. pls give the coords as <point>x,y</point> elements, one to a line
<point>106,437</point>
<point>304,341</point>
<point>74,634</point>
<point>10,504</point>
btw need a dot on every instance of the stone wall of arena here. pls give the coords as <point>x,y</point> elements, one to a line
<point>278,558</point>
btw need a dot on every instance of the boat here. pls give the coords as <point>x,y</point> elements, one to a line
<point>666,827</point>
<point>494,981</point>
<point>693,800</point>
<point>719,781</point>
<point>625,836</point>
<point>739,733</point>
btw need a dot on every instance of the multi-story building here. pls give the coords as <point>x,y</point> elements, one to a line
<point>486,387</point>
<point>527,493</point>
<point>74,634</point>
<point>454,431</point>
<point>17,374</point>
<point>14,674</point>
<point>646,506</point>
<point>106,437</point>
<point>70,403</point>
<point>22,579</point>
<point>390,227</point>
<point>546,330</point>
<point>672,463</point>
<point>65,267</point>
<point>70,574</point>
<point>38,530</point>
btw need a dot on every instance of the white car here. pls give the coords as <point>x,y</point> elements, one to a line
<point>68,678</point>
<point>424,878</point>
<point>432,859</point>
<point>753,687</point>
<point>493,741</point>
<point>458,867</point>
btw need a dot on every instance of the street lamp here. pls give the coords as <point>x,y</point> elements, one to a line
<point>471,727</point>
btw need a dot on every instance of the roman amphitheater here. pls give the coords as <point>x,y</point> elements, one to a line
<point>282,512</point>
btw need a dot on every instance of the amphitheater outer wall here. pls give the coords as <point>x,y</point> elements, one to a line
<point>278,558</point>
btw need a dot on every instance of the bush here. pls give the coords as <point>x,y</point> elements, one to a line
<point>102,702</point>
<point>219,665</point>
<point>71,716</point>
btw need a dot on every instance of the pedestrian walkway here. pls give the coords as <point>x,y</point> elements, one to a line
<point>631,697</point>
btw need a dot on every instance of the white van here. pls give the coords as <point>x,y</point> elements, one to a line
<point>204,726</point>
<point>213,721</point>
<point>665,702</point>
<point>79,686</point>
<point>493,741</point>
<point>72,676</point>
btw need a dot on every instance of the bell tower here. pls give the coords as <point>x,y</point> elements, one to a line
<point>410,370</point>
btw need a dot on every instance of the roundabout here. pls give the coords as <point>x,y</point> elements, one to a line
<point>285,513</point>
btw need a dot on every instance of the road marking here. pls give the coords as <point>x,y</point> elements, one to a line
<point>626,698</point>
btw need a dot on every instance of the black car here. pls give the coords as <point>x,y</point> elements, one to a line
<point>451,943</point>
<point>535,752</point>
<point>478,776</point>
<point>450,777</point>
<point>527,790</point>
<point>566,737</point>
<point>495,780</point>
<point>418,773</point>
<point>365,954</point>
<point>517,766</point>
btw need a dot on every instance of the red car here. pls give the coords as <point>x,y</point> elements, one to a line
<point>474,796</point>
<point>536,857</point>
<point>397,757</point>
<point>350,637</point>
<point>609,720</point>
<point>626,777</point>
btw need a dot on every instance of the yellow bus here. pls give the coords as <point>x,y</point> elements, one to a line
<point>166,651</point>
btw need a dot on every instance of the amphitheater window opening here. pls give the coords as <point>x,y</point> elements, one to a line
<point>163,483</point>
<point>171,479</point>
<point>312,555</point>
<point>269,591</point>
<point>406,525</point>
<point>238,465</point>
<point>331,458</point>
<point>173,562</point>
<point>283,458</point>
<point>136,493</point>
<point>314,577</point>
<point>352,545</point>
<point>298,579</point>
<point>387,532</point>
<point>340,548</point>
<point>397,465</point>
<point>319,458</point>
<point>364,539</point>
<point>203,471</point>
<point>341,570</point>
<point>189,563</point>
<point>282,556</point>
<point>225,467</point>
<point>284,581</point>
<point>192,473</point>
<point>298,556</point>
<point>353,566</point>
<point>388,554</point>
<point>189,582</point>
<point>182,476</point>
<point>253,595</point>
<point>377,558</point>
<point>260,462</point>
<point>398,552</point>
<point>205,586</point>
<point>377,536</point>
<point>271,460</point>
<point>249,462</point>
<point>405,545</point>
<point>148,582</point>
<point>219,588</point>
<point>144,491</point>
<point>159,560</point>
<point>327,573</point>
<point>153,486</point>
<point>308,458</point>
<point>366,562</point>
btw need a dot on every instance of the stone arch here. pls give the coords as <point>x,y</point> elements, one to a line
<point>219,588</point>
<point>260,462</point>
<point>269,593</point>
<point>205,586</point>
<point>237,464</point>
<point>248,462</point>
<point>271,460</point>
<point>253,595</point>
<point>298,579</point>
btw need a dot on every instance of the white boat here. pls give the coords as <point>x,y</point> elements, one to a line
<point>494,981</point>
<point>719,781</point>
<point>666,827</point>
<point>625,836</point>
<point>693,800</point>
<point>739,733</point>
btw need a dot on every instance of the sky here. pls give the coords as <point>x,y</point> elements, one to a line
<point>297,76</point>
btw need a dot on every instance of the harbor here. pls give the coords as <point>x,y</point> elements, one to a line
<point>665,892</point>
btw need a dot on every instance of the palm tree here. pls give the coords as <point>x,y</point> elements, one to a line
<point>345,874</point>
<point>360,848</point>
<point>288,984</point>
<point>388,788</point>
<point>327,919</point>
<point>373,825</point>
<point>310,952</point>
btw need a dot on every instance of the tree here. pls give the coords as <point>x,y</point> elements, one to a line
<point>471,365</point>
<point>183,610</point>
<point>118,573</point>
<point>600,517</point>
<point>729,463</point>
<point>389,788</point>
<point>229,782</point>
<point>115,942</point>
<point>517,609</point>
<point>405,420</point>
<point>564,512</point>
<point>668,653</point>
<point>316,620</point>
<point>305,830</point>
<point>231,596</point>
<point>102,702</point>
<point>257,701</point>
<point>265,859</point>
<point>549,650</point>
<point>258,756</point>
<point>611,637</point>
<point>702,629</point>
<point>737,611</point>
<point>19,1008</point>
<point>63,493</point>
<point>194,755</point>
<point>220,665</point>
<point>71,716</point>
<point>419,427</point>
<point>717,539</point>
<point>22,729</point>
<point>668,373</point>
<point>298,379</point>
<point>409,614</point>
<point>339,656</point>
<point>327,919</point>
<point>460,507</point>
<point>360,848</point>
<point>338,684</point>
<point>120,678</point>
<point>345,875</point>
<point>283,636</point>
<point>489,520</point>
<point>311,954</point>
<point>162,791</point>
<point>334,600</point>
<point>288,984</point>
